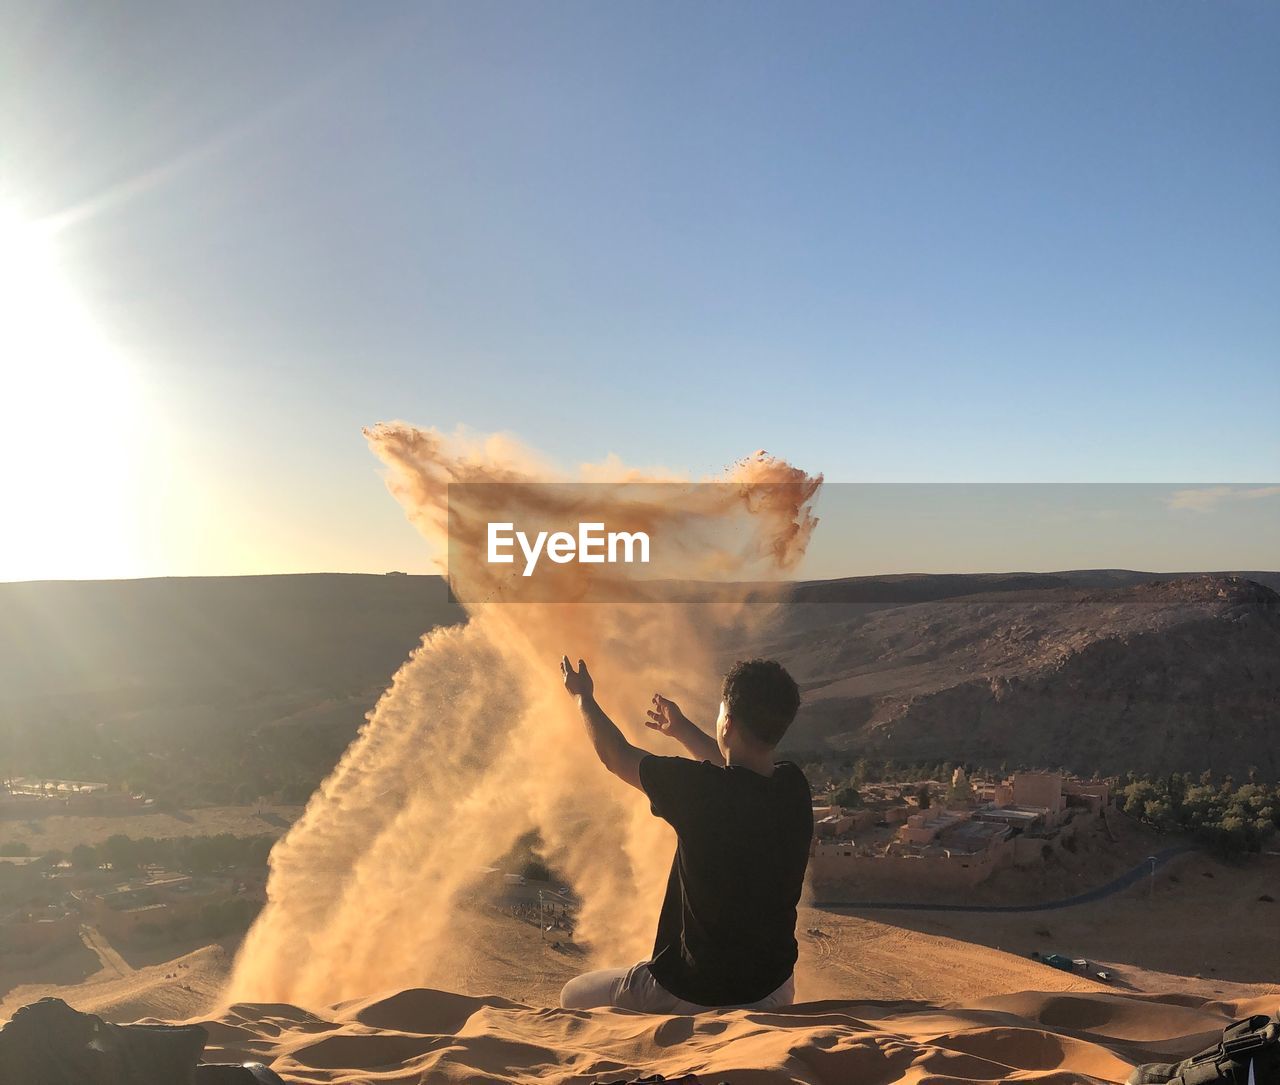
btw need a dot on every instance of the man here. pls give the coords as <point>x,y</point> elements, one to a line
<point>743,822</point>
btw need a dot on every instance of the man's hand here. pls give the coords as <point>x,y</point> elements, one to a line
<point>579,683</point>
<point>617,754</point>
<point>665,715</point>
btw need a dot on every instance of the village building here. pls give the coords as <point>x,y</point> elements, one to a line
<point>977,827</point>
<point>31,796</point>
<point>130,909</point>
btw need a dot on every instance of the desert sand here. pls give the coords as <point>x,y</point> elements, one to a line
<point>881,1003</point>
<point>422,1035</point>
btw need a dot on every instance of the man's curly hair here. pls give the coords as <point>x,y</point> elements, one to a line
<point>762,698</point>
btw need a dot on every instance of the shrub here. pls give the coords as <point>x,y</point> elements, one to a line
<point>848,797</point>
<point>535,871</point>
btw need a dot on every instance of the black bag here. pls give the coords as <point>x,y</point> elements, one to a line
<point>1248,1054</point>
<point>49,1043</point>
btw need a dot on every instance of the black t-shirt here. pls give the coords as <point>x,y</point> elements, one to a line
<point>727,932</point>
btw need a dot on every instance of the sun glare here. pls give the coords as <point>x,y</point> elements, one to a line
<point>70,423</point>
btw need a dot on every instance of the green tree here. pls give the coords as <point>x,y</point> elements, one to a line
<point>848,797</point>
<point>1136,797</point>
<point>1160,813</point>
<point>535,871</point>
<point>120,852</point>
<point>1201,805</point>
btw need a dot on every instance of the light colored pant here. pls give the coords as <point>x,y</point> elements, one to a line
<point>635,988</point>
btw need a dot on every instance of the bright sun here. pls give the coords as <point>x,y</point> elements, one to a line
<point>70,424</point>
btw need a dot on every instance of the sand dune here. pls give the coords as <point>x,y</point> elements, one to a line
<point>882,1004</point>
<point>422,1035</point>
<point>170,990</point>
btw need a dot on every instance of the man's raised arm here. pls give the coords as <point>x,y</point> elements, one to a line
<point>611,745</point>
<point>665,716</point>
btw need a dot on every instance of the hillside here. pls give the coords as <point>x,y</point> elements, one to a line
<point>201,683</point>
<point>202,687</point>
<point>1166,675</point>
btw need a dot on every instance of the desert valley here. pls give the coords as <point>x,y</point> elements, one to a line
<point>944,718</point>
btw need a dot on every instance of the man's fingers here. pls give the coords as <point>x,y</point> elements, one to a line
<point>582,666</point>
<point>658,722</point>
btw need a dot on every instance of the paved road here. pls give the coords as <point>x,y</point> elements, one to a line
<point>1142,870</point>
<point>97,941</point>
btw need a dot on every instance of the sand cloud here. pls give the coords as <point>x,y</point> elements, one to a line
<point>475,743</point>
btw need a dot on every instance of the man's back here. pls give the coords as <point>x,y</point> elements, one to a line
<point>726,934</point>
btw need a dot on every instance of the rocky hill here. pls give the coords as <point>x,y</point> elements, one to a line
<point>1168,674</point>
<point>206,685</point>
<point>202,685</point>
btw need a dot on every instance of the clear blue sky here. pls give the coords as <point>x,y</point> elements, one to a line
<point>888,241</point>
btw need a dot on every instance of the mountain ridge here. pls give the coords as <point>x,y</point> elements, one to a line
<point>1095,670</point>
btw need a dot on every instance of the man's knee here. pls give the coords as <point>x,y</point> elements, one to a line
<point>567,996</point>
<point>579,994</point>
<point>592,989</point>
